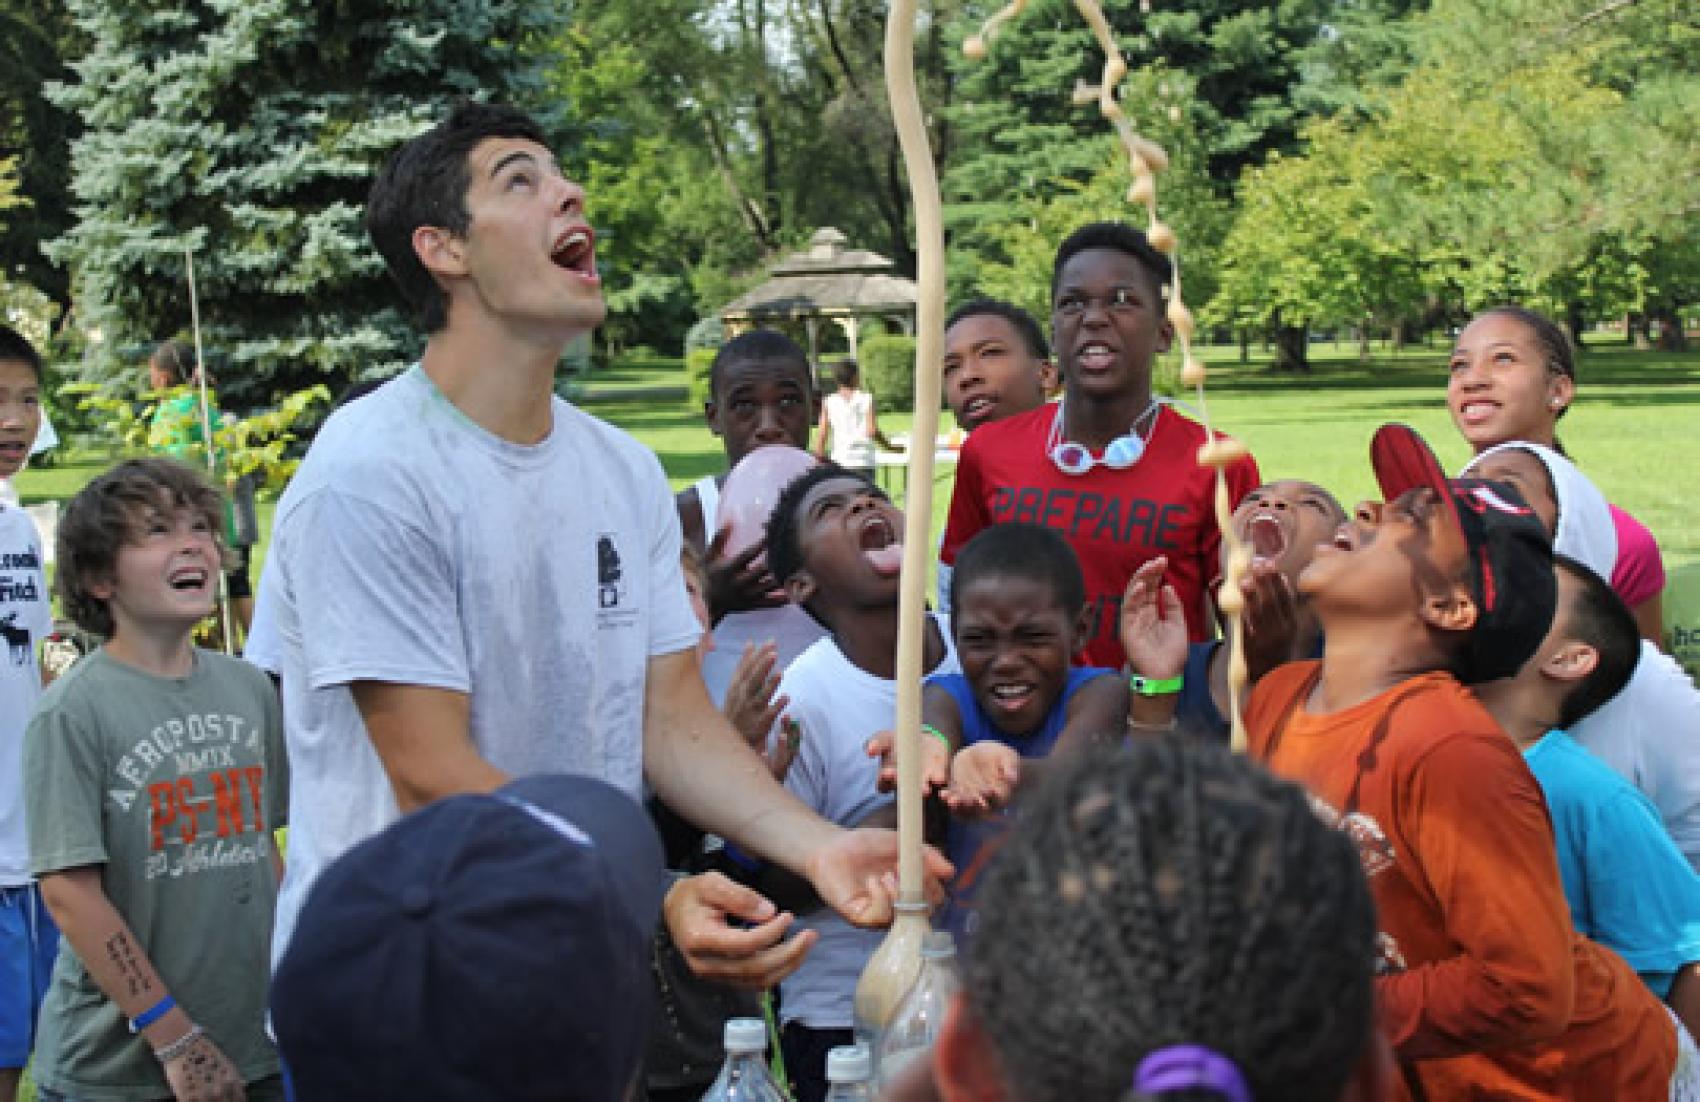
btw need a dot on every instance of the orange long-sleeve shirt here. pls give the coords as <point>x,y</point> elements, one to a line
<point>1486,990</point>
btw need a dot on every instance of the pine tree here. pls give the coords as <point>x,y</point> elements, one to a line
<point>1215,77</point>
<point>248,131</point>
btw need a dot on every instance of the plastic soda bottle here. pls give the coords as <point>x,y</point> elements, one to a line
<point>920,1015</point>
<point>744,1076</point>
<point>850,1074</point>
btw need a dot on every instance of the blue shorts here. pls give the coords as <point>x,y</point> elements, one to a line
<point>29,942</point>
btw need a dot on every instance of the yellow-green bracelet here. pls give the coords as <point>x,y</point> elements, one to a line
<point>938,734</point>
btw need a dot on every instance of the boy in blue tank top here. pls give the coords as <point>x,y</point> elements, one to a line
<point>1019,606</point>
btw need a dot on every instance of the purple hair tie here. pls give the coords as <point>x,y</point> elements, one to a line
<point>1190,1067</point>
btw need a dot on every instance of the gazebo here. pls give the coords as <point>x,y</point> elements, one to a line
<point>827,283</point>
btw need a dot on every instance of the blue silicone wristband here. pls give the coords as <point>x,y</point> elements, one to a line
<point>152,1014</point>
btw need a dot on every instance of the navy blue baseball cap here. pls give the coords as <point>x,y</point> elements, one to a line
<point>486,946</point>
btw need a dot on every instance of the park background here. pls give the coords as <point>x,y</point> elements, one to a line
<point>1350,180</point>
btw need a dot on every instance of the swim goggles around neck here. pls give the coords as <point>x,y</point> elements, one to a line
<point>1121,453</point>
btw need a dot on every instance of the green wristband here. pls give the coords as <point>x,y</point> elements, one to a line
<point>1155,686</point>
<point>938,734</point>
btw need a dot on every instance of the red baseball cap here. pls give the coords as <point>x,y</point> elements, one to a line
<point>1510,552</point>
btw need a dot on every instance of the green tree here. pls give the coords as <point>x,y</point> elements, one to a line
<point>720,133</point>
<point>1532,151</point>
<point>36,39</point>
<point>1217,77</point>
<point>248,133</point>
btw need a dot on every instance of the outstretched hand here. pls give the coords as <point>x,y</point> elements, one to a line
<point>856,875</point>
<point>982,779</point>
<point>1153,623</point>
<point>935,763</point>
<point>700,911</point>
<point>739,583</point>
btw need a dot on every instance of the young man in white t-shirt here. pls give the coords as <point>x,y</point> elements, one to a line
<point>834,543</point>
<point>471,579</point>
<point>28,939</point>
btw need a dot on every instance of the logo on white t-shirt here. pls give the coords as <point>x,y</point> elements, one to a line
<point>609,589</point>
<point>17,639</point>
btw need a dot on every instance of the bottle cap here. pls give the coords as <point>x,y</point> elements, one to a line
<point>746,1035</point>
<point>938,944</point>
<point>849,1064</point>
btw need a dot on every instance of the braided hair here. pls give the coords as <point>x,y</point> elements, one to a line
<point>1168,893</point>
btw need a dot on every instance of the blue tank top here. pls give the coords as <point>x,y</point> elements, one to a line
<point>966,842</point>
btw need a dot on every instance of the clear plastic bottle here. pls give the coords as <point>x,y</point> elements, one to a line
<point>850,1074</point>
<point>919,1016</point>
<point>744,1076</point>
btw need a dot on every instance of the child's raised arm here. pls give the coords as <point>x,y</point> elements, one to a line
<point>1154,635</point>
<point>194,1066</point>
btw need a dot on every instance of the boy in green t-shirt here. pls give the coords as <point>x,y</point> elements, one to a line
<point>154,776</point>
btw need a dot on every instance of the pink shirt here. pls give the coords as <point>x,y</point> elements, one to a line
<point>1640,573</point>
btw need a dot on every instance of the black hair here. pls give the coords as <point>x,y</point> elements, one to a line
<point>846,373</point>
<point>1554,341</point>
<point>757,344</point>
<point>1167,892</point>
<point>16,347</point>
<point>175,359</point>
<point>1117,237</point>
<point>106,514</point>
<point>424,183</point>
<point>1024,324</point>
<point>1599,618</point>
<point>784,531</point>
<point>1021,551</point>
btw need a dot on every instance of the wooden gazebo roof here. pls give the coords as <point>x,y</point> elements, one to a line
<point>826,280</point>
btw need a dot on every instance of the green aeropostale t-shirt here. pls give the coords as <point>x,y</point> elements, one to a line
<point>172,786</point>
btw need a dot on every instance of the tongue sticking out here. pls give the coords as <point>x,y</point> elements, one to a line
<point>1267,539</point>
<point>887,561</point>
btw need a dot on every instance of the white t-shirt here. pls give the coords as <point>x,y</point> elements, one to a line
<point>1650,733</point>
<point>848,420</point>
<point>415,547</point>
<point>839,707</point>
<point>791,630</point>
<point>26,618</point>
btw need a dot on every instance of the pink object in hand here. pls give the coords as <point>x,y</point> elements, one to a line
<point>752,490</point>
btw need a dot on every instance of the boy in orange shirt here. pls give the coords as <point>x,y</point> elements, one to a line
<point>1485,990</point>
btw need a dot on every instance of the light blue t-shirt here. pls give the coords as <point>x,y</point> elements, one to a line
<point>1628,886</point>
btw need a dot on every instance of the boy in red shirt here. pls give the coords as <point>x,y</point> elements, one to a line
<point>1110,467</point>
<point>1485,989</point>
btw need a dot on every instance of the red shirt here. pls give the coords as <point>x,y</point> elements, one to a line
<point>1115,520</point>
<point>1485,989</point>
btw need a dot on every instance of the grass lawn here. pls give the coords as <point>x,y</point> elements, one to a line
<point>1634,428</point>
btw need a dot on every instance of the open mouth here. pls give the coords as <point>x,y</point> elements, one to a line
<point>1476,412</point>
<point>575,251</point>
<point>1095,356</point>
<point>881,547</point>
<point>1267,536</point>
<point>189,579</point>
<point>977,408</point>
<point>1010,696</point>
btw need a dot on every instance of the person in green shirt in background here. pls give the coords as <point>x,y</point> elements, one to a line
<point>177,430</point>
